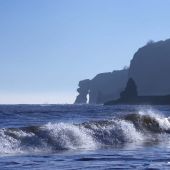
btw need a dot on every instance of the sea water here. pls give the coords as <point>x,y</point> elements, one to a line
<point>67,137</point>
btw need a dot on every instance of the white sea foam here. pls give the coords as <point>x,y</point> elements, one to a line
<point>8,144</point>
<point>69,136</point>
<point>163,121</point>
<point>89,135</point>
<point>130,132</point>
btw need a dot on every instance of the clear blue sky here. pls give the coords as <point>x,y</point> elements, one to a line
<point>47,46</point>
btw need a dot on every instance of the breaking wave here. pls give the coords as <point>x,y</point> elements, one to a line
<point>131,128</point>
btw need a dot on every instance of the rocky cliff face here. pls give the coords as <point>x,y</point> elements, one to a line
<point>103,87</point>
<point>150,69</point>
<point>83,91</point>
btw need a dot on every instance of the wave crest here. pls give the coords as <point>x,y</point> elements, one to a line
<point>131,128</point>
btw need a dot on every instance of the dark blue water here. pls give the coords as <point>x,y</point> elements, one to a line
<point>46,137</point>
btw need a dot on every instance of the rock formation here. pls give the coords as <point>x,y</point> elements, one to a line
<point>130,90</point>
<point>83,90</point>
<point>130,97</point>
<point>103,87</point>
<point>150,69</point>
<point>148,79</point>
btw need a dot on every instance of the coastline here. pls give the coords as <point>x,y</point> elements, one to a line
<point>141,100</point>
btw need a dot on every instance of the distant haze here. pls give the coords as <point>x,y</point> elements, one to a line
<point>47,47</point>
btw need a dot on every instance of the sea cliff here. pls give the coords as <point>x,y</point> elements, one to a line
<point>148,72</point>
<point>102,88</point>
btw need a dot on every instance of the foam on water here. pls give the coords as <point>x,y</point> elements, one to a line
<point>69,136</point>
<point>163,121</point>
<point>130,132</point>
<point>8,144</point>
<point>51,137</point>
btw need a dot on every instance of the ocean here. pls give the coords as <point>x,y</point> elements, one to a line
<point>77,137</point>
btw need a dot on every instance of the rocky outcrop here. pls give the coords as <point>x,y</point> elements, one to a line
<point>130,90</point>
<point>83,90</point>
<point>148,73</point>
<point>103,87</point>
<point>130,97</point>
<point>150,69</point>
<point>149,81</point>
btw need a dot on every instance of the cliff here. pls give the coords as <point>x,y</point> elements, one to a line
<point>149,72</point>
<point>83,90</point>
<point>130,96</point>
<point>103,87</point>
<point>149,81</point>
<point>150,68</point>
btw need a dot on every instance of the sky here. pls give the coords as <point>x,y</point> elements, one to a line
<point>48,46</point>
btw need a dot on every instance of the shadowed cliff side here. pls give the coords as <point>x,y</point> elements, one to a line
<point>102,88</point>
<point>150,68</point>
<point>148,79</point>
<point>130,90</point>
<point>130,96</point>
<point>83,90</point>
<point>107,86</point>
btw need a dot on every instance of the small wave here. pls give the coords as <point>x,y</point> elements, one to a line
<point>149,121</point>
<point>52,137</point>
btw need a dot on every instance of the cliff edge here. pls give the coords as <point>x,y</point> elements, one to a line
<point>103,87</point>
<point>150,69</point>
